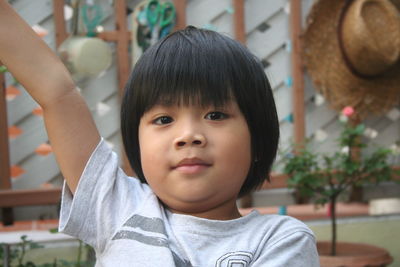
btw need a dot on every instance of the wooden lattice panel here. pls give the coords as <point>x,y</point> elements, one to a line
<point>267,36</point>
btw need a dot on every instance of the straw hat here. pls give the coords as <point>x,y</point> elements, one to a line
<point>352,53</point>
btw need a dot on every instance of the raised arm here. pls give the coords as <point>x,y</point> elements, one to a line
<point>72,132</point>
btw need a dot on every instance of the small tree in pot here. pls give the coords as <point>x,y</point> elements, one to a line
<point>323,178</point>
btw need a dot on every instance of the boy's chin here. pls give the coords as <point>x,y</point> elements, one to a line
<point>205,209</point>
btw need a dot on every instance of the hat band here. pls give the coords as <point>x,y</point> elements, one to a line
<point>346,59</point>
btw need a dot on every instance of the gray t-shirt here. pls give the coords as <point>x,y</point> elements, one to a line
<point>123,220</point>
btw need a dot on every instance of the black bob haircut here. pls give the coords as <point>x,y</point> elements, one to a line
<point>196,66</point>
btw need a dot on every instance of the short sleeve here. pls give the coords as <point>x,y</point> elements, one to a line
<point>294,249</point>
<point>104,199</point>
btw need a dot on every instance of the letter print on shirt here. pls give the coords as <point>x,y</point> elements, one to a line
<point>235,259</point>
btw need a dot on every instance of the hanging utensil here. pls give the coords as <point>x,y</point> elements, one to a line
<point>84,56</point>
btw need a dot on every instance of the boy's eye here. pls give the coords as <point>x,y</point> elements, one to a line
<point>163,120</point>
<point>216,116</point>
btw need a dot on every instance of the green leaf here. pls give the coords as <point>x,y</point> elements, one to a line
<point>3,69</point>
<point>54,231</point>
<point>34,245</point>
<point>359,130</point>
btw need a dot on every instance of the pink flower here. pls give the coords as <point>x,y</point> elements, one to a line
<point>348,111</point>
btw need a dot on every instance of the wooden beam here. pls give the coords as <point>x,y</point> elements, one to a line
<point>123,61</point>
<point>239,21</point>
<point>13,198</point>
<point>112,36</point>
<point>5,173</point>
<point>297,72</point>
<point>59,21</point>
<point>180,7</point>
<point>35,197</point>
<point>123,57</point>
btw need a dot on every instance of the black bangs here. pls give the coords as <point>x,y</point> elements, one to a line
<point>184,69</point>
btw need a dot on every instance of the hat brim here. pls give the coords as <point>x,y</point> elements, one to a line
<point>331,76</point>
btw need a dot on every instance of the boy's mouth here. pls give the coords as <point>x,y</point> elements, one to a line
<point>191,165</point>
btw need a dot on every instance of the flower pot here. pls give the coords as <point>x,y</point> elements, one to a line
<point>384,206</point>
<point>352,255</point>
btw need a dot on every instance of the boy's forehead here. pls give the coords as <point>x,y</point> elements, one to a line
<point>193,104</point>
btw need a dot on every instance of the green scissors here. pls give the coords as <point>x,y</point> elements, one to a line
<point>160,18</point>
<point>92,16</point>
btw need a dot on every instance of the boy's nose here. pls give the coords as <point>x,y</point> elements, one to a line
<point>185,140</point>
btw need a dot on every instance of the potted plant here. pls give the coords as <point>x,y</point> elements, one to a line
<point>323,178</point>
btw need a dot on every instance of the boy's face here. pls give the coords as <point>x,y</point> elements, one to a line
<point>196,159</point>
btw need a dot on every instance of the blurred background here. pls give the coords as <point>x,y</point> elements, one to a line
<point>270,30</point>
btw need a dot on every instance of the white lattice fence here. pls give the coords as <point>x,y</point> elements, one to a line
<point>267,33</point>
